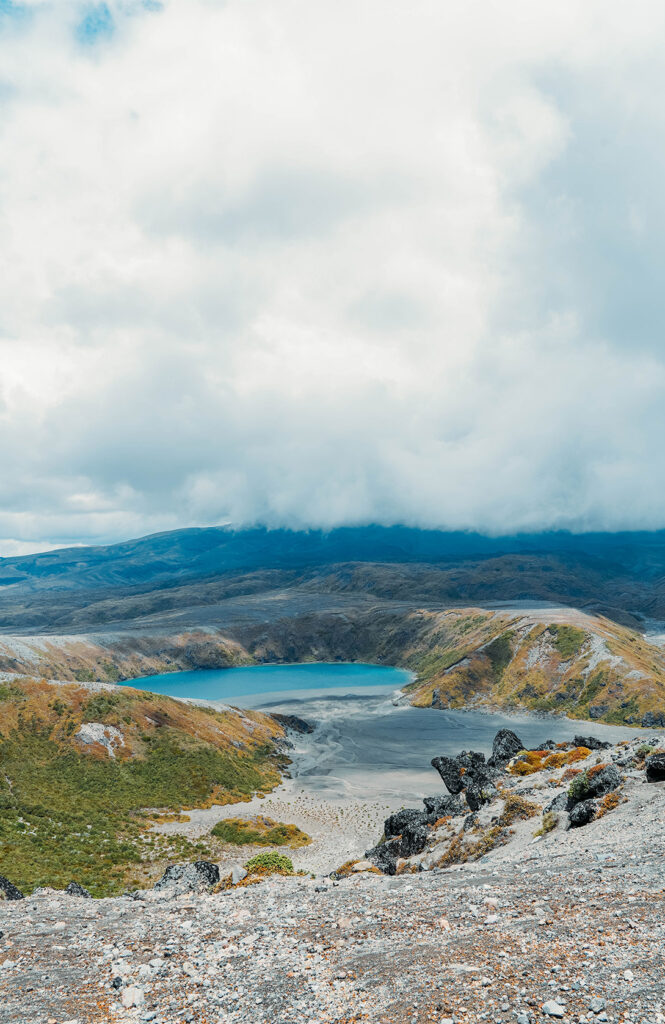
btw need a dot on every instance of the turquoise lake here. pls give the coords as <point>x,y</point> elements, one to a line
<point>366,742</point>
<point>253,685</point>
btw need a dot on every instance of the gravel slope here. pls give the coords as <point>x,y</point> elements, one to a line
<point>574,922</point>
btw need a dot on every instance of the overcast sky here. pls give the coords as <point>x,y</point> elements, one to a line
<point>313,262</point>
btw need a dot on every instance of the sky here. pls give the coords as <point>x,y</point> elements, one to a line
<point>317,263</point>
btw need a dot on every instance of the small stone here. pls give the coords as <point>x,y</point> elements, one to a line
<point>596,1004</point>
<point>74,889</point>
<point>237,874</point>
<point>553,1009</point>
<point>132,996</point>
<point>628,975</point>
<point>523,1018</point>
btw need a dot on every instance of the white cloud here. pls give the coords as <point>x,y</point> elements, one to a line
<point>336,262</point>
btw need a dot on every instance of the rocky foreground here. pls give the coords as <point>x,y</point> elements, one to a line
<point>480,919</point>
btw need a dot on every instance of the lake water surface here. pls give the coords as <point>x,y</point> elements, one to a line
<point>366,743</point>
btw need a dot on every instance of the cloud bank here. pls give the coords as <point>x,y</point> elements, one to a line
<point>314,264</point>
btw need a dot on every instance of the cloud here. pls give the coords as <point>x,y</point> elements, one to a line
<point>335,263</point>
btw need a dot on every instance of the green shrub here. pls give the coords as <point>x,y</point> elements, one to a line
<point>270,864</point>
<point>579,787</point>
<point>259,832</point>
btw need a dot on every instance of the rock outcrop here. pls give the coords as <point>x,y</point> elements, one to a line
<point>591,743</point>
<point>490,803</point>
<point>506,745</point>
<point>183,878</point>
<point>74,889</point>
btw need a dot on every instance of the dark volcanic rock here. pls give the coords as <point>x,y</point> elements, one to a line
<point>505,746</point>
<point>591,743</point>
<point>587,786</point>
<point>384,856</point>
<point>547,745</point>
<point>294,723</point>
<point>408,818</point>
<point>9,891</point>
<point>655,766</point>
<point>651,719</point>
<point>196,877</point>
<point>467,769</point>
<point>414,840</point>
<point>476,796</point>
<point>442,807</point>
<point>604,781</point>
<point>74,889</point>
<point>582,813</point>
<point>598,710</point>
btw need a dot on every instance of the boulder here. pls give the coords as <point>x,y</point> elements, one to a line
<point>653,719</point>
<point>655,767</point>
<point>591,743</point>
<point>442,807</point>
<point>582,813</point>
<point>598,710</point>
<point>476,796</point>
<point>74,889</point>
<point>8,891</point>
<point>181,878</point>
<point>604,781</point>
<point>385,856</point>
<point>467,769</point>
<point>506,745</point>
<point>396,823</point>
<point>592,784</point>
<point>414,840</point>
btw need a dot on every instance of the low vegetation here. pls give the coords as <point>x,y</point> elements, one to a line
<point>68,810</point>
<point>530,761</point>
<point>259,831</point>
<point>269,864</point>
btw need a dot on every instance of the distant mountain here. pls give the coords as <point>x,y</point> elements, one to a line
<point>622,575</point>
<point>213,550</point>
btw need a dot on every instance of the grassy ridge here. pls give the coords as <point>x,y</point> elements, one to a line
<point>69,810</point>
<point>605,671</point>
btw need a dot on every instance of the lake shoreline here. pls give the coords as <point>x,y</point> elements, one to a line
<point>368,755</point>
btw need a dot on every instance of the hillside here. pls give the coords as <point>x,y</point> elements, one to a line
<point>545,659</point>
<point>85,773</point>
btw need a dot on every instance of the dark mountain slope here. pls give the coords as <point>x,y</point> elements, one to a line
<point>620,575</point>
